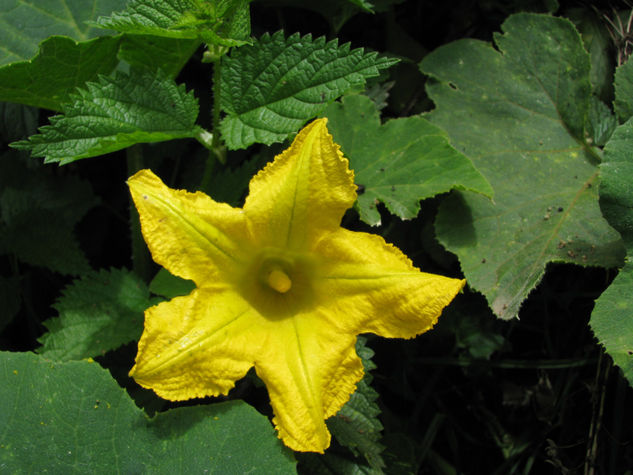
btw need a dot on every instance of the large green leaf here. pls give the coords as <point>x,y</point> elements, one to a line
<point>219,22</point>
<point>270,89</point>
<point>399,162</point>
<point>612,320</point>
<point>47,49</point>
<point>24,24</point>
<point>97,313</point>
<point>612,317</point>
<point>116,113</point>
<point>61,66</point>
<point>73,418</point>
<point>519,113</point>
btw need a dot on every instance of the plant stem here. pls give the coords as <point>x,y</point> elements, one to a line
<point>141,264</point>
<point>218,151</point>
<point>217,76</point>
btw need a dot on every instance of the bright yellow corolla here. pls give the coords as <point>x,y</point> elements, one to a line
<point>280,286</point>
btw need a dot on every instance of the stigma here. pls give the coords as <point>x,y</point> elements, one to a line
<point>278,280</point>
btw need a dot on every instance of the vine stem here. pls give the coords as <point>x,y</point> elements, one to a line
<point>141,263</point>
<point>218,151</point>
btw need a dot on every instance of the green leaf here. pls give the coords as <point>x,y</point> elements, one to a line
<point>616,171</point>
<point>623,103</point>
<point>38,213</point>
<point>219,22</point>
<point>97,313</point>
<point>61,66</point>
<point>25,24</point>
<point>169,286</point>
<point>270,89</point>
<point>356,425</point>
<point>519,113</point>
<point>399,162</point>
<point>601,122</point>
<point>611,320</point>
<point>116,113</point>
<point>73,418</point>
<point>611,317</point>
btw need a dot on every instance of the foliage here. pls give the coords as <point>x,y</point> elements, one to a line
<point>489,140</point>
<point>116,113</point>
<point>270,89</point>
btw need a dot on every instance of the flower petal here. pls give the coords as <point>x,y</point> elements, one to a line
<point>310,372</point>
<point>302,193</point>
<point>189,234</point>
<point>197,345</point>
<point>373,287</point>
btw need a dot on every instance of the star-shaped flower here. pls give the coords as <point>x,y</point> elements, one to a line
<point>279,286</point>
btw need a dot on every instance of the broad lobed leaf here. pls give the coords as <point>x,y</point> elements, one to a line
<point>611,317</point>
<point>61,65</point>
<point>116,113</point>
<point>399,162</point>
<point>519,113</point>
<point>271,88</point>
<point>73,418</point>
<point>25,24</point>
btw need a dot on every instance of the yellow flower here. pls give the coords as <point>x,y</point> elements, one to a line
<point>279,286</point>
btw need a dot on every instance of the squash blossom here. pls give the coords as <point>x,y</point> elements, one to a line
<point>279,286</point>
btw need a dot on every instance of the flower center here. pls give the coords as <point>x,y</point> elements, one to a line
<point>278,280</point>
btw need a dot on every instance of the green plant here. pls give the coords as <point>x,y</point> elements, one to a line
<point>516,160</point>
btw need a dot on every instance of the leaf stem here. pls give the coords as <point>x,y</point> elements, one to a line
<point>141,264</point>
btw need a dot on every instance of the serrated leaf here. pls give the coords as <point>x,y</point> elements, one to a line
<point>97,313</point>
<point>399,162</point>
<point>519,114</point>
<point>73,418</point>
<point>601,122</point>
<point>61,65</point>
<point>356,426</point>
<point>219,22</point>
<point>611,317</point>
<point>116,113</point>
<point>24,25</point>
<point>270,89</point>
<point>38,213</point>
